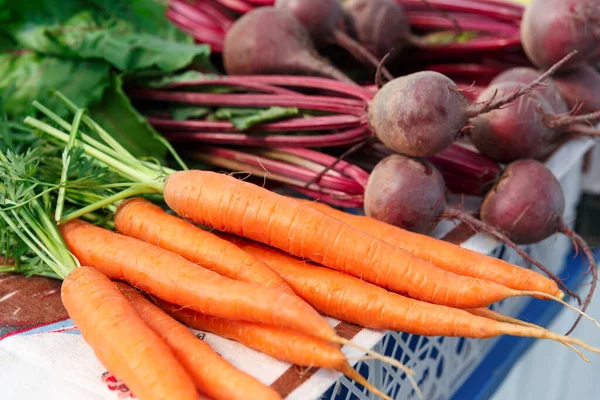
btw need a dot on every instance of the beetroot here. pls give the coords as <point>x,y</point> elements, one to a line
<point>411,194</point>
<point>423,113</point>
<point>272,41</point>
<point>551,29</point>
<point>405,192</point>
<point>527,204</point>
<point>323,20</point>
<point>514,132</point>
<point>532,126</point>
<point>525,75</point>
<point>580,87</point>
<point>380,25</point>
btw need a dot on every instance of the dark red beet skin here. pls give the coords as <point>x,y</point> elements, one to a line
<point>525,75</point>
<point>379,25</point>
<point>419,114</point>
<point>319,17</point>
<point>324,19</point>
<point>527,203</point>
<point>272,41</point>
<point>580,87</point>
<point>405,192</point>
<point>550,29</point>
<point>516,131</point>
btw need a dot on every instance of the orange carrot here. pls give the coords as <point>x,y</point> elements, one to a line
<point>143,220</point>
<point>352,300</point>
<point>280,343</point>
<point>124,344</point>
<point>211,373</point>
<point>449,256</point>
<point>496,316</point>
<point>244,209</point>
<point>174,279</point>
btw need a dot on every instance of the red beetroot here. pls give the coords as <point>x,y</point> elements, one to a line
<point>532,126</point>
<point>380,25</point>
<point>272,41</point>
<point>422,114</point>
<point>527,204</point>
<point>323,19</point>
<point>580,87</point>
<point>551,29</point>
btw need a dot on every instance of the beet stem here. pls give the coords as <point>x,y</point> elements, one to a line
<point>567,120</point>
<point>316,103</point>
<point>584,130</point>
<point>350,89</point>
<point>342,138</point>
<point>345,154</point>
<point>358,51</point>
<point>494,104</point>
<point>578,242</point>
<point>320,123</point>
<point>480,226</point>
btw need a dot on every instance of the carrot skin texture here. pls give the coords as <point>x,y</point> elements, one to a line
<point>174,279</point>
<point>280,343</point>
<point>140,219</point>
<point>124,344</point>
<point>247,210</point>
<point>210,372</point>
<point>352,300</point>
<point>448,256</point>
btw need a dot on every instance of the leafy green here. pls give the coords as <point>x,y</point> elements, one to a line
<point>245,118</point>
<point>187,112</point>
<point>187,76</point>
<point>132,35</point>
<point>30,76</point>
<point>116,114</point>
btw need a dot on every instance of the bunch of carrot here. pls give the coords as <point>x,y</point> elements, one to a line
<point>262,274</point>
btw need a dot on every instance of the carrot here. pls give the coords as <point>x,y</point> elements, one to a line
<point>352,300</point>
<point>211,373</point>
<point>448,256</point>
<point>496,316</point>
<point>280,343</point>
<point>244,209</point>
<point>143,220</point>
<point>174,279</point>
<point>124,344</point>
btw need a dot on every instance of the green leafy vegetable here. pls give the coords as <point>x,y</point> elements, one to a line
<point>246,118</point>
<point>187,76</point>
<point>130,36</point>
<point>30,76</point>
<point>116,114</point>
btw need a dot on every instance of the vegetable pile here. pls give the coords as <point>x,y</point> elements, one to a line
<point>117,125</point>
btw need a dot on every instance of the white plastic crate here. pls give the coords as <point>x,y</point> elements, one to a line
<point>442,364</point>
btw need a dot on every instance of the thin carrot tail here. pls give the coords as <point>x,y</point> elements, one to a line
<point>358,378</point>
<point>392,361</point>
<point>496,316</point>
<point>510,329</point>
<point>564,303</point>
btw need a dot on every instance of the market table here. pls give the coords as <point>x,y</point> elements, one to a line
<point>42,354</point>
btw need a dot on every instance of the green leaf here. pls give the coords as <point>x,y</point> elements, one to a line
<point>29,76</point>
<point>245,118</point>
<point>188,112</point>
<point>116,114</point>
<point>187,76</point>
<point>131,35</point>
